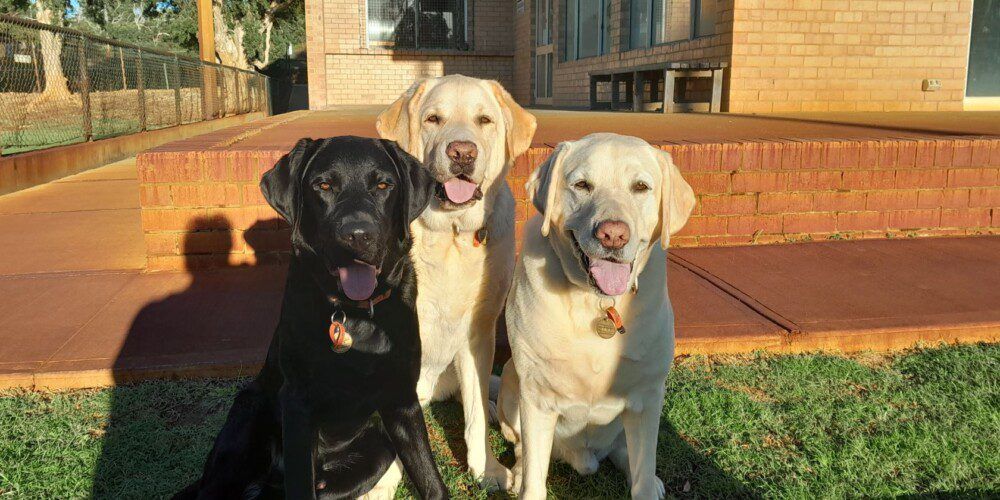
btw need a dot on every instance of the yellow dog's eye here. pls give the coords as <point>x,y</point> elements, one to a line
<point>382,186</point>
<point>325,186</point>
<point>433,119</point>
<point>640,187</point>
<point>583,186</point>
<point>485,120</point>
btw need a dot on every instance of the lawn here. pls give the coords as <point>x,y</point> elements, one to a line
<point>921,423</point>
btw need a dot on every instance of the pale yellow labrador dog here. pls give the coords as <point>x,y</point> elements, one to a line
<point>589,320</point>
<point>467,132</point>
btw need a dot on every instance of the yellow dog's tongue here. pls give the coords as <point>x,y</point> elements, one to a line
<point>611,277</point>
<point>357,280</point>
<point>459,190</point>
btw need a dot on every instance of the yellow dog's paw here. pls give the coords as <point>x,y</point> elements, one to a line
<point>496,477</point>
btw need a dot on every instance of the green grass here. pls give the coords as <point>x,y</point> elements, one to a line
<point>926,423</point>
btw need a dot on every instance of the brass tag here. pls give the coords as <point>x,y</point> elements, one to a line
<point>342,341</point>
<point>606,328</point>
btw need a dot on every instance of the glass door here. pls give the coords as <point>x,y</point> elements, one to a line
<point>982,90</point>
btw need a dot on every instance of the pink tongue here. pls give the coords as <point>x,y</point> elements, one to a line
<point>459,190</point>
<point>611,277</point>
<point>357,280</point>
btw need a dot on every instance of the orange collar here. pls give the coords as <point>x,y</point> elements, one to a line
<point>367,305</point>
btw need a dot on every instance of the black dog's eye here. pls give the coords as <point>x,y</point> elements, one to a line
<point>485,120</point>
<point>382,186</point>
<point>640,187</point>
<point>433,119</point>
<point>325,186</point>
<point>583,186</point>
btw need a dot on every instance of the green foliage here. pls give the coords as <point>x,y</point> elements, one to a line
<point>921,424</point>
<point>173,25</point>
<point>287,16</point>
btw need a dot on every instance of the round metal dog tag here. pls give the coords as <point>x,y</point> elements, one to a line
<point>341,341</point>
<point>606,328</point>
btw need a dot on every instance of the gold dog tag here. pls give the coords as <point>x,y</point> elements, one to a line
<point>341,341</point>
<point>606,328</point>
<point>610,324</point>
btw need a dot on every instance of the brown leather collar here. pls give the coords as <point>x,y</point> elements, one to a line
<point>365,305</point>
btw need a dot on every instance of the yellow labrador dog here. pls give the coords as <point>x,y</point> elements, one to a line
<point>467,132</point>
<point>589,320</point>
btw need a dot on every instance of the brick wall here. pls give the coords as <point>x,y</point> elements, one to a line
<point>345,69</point>
<point>848,55</point>
<point>791,191</point>
<point>204,209</point>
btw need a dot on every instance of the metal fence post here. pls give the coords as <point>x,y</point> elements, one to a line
<point>140,86</point>
<point>88,126</point>
<point>220,94</point>
<point>177,89</point>
<point>204,93</point>
<point>250,92</point>
<point>236,85</point>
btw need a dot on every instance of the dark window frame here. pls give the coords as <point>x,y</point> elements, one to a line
<point>415,13</point>
<point>602,26</point>
<point>693,20</point>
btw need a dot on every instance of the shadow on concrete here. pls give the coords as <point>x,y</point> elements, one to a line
<point>859,122</point>
<point>220,324</point>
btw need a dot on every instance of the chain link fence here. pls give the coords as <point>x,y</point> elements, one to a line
<point>60,86</point>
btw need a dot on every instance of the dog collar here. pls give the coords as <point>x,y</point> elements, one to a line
<point>365,305</point>
<point>480,237</point>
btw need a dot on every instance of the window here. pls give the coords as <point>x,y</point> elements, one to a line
<point>588,28</point>
<point>653,22</point>
<point>984,50</point>
<point>543,76</point>
<point>443,24</point>
<point>543,30</point>
<point>707,13</point>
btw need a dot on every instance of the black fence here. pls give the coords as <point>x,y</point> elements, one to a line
<point>60,86</point>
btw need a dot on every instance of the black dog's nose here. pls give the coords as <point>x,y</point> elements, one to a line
<point>356,235</point>
<point>463,155</point>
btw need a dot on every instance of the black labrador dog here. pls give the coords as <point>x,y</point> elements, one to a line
<point>347,345</point>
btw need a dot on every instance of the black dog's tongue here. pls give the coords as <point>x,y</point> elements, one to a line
<point>358,280</point>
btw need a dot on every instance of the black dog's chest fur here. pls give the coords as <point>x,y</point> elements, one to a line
<point>352,384</point>
<point>384,357</point>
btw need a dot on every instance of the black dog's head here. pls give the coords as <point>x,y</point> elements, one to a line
<point>350,202</point>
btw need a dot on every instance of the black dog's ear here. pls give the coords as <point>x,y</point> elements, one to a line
<point>280,185</point>
<point>419,188</point>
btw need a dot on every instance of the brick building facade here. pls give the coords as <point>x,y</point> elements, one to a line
<point>783,55</point>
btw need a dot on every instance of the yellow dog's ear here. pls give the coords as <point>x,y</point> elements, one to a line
<point>520,124</point>
<point>400,122</point>
<point>545,182</point>
<point>677,198</point>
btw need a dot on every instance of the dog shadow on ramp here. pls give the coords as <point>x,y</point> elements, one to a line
<point>213,322</point>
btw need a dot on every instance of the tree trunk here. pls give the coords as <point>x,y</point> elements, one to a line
<point>55,79</point>
<point>228,42</point>
<point>268,26</point>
